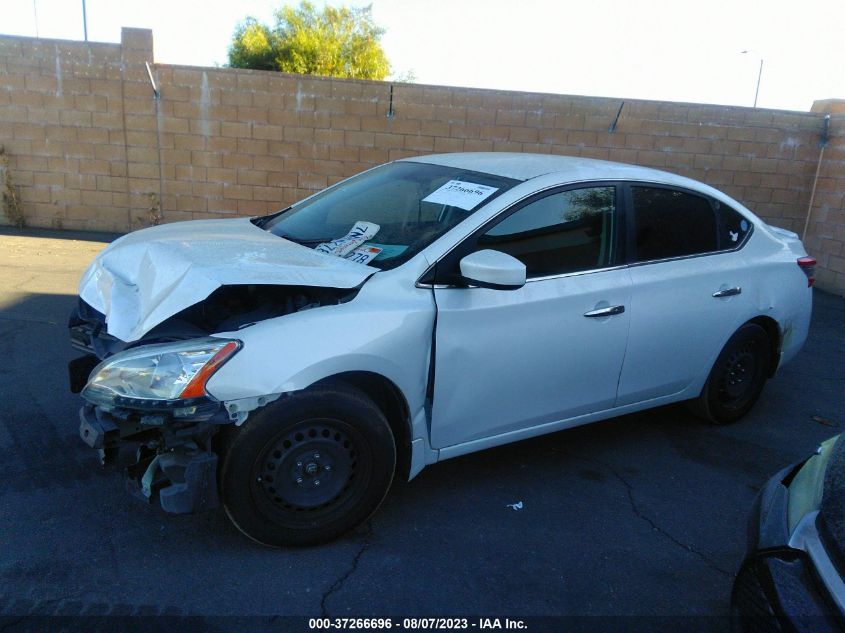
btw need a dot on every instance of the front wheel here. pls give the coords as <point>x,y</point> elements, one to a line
<point>308,468</point>
<point>737,377</point>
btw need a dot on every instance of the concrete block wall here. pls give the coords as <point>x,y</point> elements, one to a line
<point>90,147</point>
<point>825,235</point>
<point>63,113</point>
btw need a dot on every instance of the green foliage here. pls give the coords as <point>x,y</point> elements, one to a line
<point>336,42</point>
<point>252,46</point>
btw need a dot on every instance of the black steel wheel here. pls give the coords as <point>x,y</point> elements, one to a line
<point>308,468</point>
<point>737,377</point>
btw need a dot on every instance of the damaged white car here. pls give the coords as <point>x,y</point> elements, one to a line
<point>289,366</point>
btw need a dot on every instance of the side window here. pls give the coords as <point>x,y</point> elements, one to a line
<point>733,227</point>
<point>669,223</point>
<point>560,233</point>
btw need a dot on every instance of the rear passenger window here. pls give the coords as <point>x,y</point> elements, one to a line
<point>670,223</point>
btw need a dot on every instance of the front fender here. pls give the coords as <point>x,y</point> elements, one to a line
<point>386,329</point>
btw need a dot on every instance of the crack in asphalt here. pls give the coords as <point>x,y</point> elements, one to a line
<point>629,488</point>
<point>338,584</point>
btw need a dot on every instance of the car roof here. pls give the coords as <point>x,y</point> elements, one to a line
<point>571,168</point>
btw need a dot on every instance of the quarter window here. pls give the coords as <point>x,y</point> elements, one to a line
<point>670,223</point>
<point>733,227</point>
<point>563,232</point>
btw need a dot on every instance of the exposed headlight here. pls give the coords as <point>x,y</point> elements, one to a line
<point>165,372</point>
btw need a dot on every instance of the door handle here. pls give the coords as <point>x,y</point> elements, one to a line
<point>728,292</point>
<point>603,312</point>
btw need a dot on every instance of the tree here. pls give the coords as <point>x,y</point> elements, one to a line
<point>337,42</point>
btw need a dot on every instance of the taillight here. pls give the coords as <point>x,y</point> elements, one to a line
<point>808,266</point>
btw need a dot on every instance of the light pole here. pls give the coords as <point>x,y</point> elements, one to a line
<point>84,21</point>
<point>759,76</point>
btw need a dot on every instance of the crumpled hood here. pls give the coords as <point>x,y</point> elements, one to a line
<point>145,277</point>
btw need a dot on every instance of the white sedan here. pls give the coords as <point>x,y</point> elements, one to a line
<point>291,365</point>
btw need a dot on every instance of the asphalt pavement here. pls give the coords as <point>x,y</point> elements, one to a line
<point>641,515</point>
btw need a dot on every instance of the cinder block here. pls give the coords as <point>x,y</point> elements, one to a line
<point>143,170</point>
<point>206,159</point>
<point>349,122</point>
<point>434,128</point>
<point>707,161</point>
<point>234,98</point>
<point>252,177</point>
<point>283,117</point>
<point>249,114</point>
<point>361,139</point>
<point>93,167</point>
<point>478,145</point>
<point>315,119</point>
<point>13,114</point>
<point>495,132</point>
<point>419,143</point>
<point>269,163</point>
<point>255,207</point>
<point>507,146</point>
<point>480,116</point>
<point>93,135</point>
<point>373,155</point>
<point>585,139</point>
<point>524,135</point>
<point>405,126</point>
<point>345,153</point>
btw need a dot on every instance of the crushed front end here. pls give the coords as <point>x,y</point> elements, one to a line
<point>146,409</point>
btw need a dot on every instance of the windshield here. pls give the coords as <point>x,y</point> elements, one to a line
<point>384,216</point>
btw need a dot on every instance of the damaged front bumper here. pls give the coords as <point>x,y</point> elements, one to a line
<point>168,459</point>
<point>165,446</point>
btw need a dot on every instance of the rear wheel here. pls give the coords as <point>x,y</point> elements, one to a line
<point>308,468</point>
<point>737,377</point>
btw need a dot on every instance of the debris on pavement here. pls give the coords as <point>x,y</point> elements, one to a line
<point>823,420</point>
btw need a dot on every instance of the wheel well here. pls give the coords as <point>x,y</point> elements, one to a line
<point>773,331</point>
<point>390,400</point>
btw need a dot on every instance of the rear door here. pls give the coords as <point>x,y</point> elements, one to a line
<point>507,360</point>
<point>690,288</point>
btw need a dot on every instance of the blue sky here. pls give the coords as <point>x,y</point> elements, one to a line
<point>674,50</point>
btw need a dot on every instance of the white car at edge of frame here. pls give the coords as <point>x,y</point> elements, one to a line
<point>289,366</point>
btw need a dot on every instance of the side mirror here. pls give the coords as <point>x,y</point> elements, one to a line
<point>493,269</point>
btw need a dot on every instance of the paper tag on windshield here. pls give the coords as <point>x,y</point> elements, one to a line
<point>461,194</point>
<point>363,254</point>
<point>342,246</point>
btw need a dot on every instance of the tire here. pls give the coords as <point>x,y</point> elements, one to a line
<point>308,468</point>
<point>737,377</point>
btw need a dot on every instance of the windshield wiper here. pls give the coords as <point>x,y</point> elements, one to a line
<point>297,240</point>
<point>264,219</point>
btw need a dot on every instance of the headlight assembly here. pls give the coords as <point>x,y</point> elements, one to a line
<point>153,374</point>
